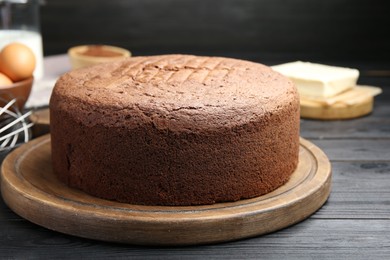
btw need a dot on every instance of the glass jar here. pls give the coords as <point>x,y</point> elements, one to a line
<point>20,22</point>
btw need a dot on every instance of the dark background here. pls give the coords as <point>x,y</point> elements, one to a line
<point>268,31</point>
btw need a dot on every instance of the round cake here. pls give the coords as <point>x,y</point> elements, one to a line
<point>175,130</point>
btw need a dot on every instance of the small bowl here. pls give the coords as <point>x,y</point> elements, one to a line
<point>20,90</point>
<point>88,55</point>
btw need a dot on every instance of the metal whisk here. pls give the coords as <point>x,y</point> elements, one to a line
<point>14,126</point>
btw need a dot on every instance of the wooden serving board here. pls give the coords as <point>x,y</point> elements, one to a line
<point>355,102</point>
<point>30,189</point>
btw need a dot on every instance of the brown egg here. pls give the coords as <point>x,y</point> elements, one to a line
<point>17,61</point>
<point>4,80</point>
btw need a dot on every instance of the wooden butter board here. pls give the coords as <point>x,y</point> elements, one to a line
<point>355,102</point>
<point>30,189</point>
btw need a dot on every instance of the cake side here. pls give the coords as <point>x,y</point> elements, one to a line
<point>193,150</point>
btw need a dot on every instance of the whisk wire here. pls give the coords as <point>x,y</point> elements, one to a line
<point>14,127</point>
<point>16,132</point>
<point>8,105</point>
<point>17,120</point>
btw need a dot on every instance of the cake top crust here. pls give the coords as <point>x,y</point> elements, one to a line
<point>174,91</point>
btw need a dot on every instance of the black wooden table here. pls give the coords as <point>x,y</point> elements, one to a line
<point>353,224</point>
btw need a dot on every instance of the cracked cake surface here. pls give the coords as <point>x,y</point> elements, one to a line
<point>175,130</point>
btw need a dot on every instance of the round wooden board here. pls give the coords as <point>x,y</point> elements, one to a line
<point>30,189</point>
<point>355,102</point>
<point>336,111</point>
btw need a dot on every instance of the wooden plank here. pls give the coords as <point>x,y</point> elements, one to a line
<point>360,190</point>
<point>355,149</point>
<point>5,213</point>
<point>313,238</point>
<point>367,127</point>
<point>375,125</point>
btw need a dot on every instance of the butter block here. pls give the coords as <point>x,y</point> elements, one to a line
<point>318,80</point>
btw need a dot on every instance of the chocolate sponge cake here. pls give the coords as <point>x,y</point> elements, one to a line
<point>175,130</point>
